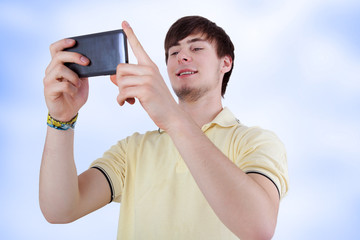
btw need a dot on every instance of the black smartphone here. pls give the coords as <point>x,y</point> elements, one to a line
<point>105,51</point>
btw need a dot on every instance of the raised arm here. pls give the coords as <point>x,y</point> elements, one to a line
<point>63,195</point>
<point>246,203</point>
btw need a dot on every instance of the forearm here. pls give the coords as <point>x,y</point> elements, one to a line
<point>239,202</point>
<point>58,189</point>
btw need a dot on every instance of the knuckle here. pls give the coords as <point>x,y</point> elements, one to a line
<point>51,47</point>
<point>120,82</point>
<point>154,69</point>
<point>153,65</point>
<point>59,68</point>
<point>119,67</point>
<point>123,92</point>
<point>67,87</point>
<point>57,55</point>
<point>45,82</point>
<point>47,70</point>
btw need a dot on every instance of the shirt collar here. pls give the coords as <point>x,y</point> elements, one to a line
<point>224,119</point>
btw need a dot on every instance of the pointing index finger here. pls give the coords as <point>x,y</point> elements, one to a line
<point>136,46</point>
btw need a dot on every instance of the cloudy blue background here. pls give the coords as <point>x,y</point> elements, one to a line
<point>297,72</point>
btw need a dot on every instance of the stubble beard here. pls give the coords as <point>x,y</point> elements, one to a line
<point>187,94</point>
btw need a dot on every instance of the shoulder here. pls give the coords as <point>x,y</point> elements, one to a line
<point>261,151</point>
<point>149,137</point>
<point>256,136</point>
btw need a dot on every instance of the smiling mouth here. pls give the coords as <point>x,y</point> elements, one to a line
<point>186,73</point>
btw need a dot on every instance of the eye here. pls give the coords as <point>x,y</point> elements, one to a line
<point>196,49</point>
<point>174,53</point>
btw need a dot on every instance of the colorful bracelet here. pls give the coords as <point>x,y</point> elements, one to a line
<point>52,122</point>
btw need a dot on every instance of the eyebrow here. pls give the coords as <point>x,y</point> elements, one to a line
<point>196,40</point>
<point>190,41</point>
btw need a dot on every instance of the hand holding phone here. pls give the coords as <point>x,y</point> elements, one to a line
<point>105,51</point>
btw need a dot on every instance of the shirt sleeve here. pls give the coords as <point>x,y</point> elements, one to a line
<point>113,165</point>
<point>261,151</point>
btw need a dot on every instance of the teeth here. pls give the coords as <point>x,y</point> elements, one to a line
<point>186,73</point>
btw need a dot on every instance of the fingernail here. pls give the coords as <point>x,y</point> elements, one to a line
<point>126,24</point>
<point>84,59</point>
<point>69,41</point>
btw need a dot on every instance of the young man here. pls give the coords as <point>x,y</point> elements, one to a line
<point>202,175</point>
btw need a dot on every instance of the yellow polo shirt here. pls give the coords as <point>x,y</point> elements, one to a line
<point>159,197</point>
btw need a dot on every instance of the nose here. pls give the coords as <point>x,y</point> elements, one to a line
<point>183,57</point>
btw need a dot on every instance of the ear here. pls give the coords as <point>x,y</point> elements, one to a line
<point>226,64</point>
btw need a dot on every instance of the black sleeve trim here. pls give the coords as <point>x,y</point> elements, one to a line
<point>108,180</point>
<point>267,178</point>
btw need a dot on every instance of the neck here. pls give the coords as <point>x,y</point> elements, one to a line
<point>202,111</point>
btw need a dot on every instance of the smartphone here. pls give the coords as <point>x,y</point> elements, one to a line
<point>105,51</point>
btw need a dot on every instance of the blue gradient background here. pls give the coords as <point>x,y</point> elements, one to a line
<point>297,73</point>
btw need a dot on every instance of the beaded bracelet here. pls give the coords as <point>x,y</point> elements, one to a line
<point>59,125</point>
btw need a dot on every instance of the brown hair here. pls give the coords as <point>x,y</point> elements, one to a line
<point>195,24</point>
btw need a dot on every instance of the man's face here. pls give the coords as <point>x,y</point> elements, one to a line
<point>194,68</point>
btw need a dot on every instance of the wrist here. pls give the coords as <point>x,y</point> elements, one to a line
<point>181,125</point>
<point>60,125</point>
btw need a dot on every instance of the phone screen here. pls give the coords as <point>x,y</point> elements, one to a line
<point>105,51</point>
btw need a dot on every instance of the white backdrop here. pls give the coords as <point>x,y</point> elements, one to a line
<point>297,73</point>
